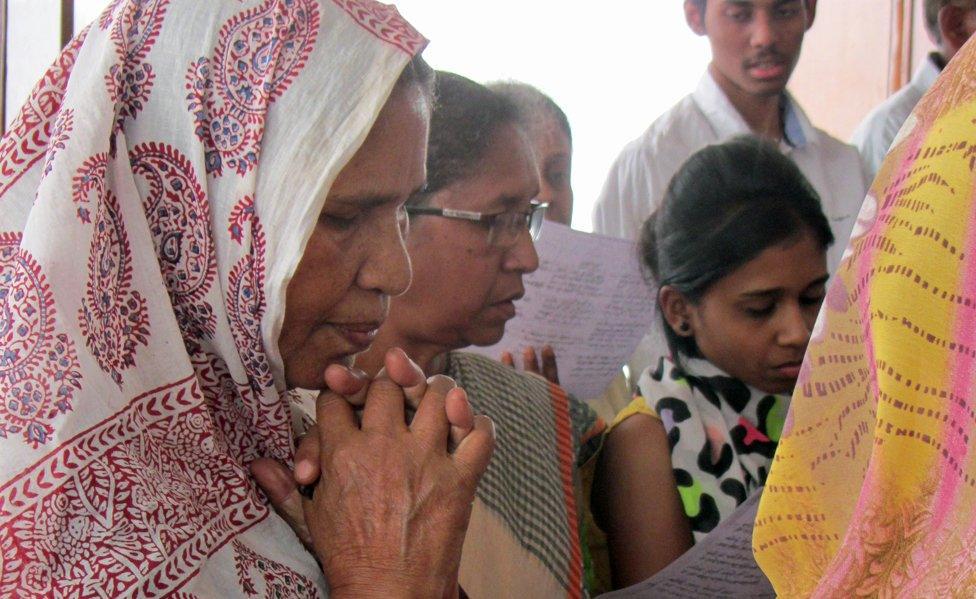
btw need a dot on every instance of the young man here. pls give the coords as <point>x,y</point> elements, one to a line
<point>755,46</point>
<point>949,24</point>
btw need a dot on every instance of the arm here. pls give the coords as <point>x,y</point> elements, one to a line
<point>636,501</point>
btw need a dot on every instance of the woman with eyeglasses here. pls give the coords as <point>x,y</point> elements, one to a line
<point>470,243</point>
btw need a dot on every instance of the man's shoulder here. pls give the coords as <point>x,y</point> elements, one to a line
<point>676,133</point>
<point>887,117</point>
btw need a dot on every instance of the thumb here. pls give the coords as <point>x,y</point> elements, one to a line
<point>277,482</point>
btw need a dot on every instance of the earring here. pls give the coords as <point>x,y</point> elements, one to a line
<point>684,327</point>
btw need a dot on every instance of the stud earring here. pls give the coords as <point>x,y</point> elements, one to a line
<point>684,327</point>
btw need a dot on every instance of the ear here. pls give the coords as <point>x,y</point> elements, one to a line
<point>676,310</point>
<point>811,12</point>
<point>695,16</point>
<point>952,27</point>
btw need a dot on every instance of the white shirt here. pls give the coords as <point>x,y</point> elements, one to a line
<point>638,179</point>
<point>874,135</point>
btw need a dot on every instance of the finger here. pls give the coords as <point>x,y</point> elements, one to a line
<point>405,372</point>
<point>401,369</point>
<point>351,383</point>
<point>334,418</point>
<point>529,360</point>
<point>474,452</point>
<point>384,411</point>
<point>459,415</point>
<point>431,422</point>
<point>307,458</point>
<point>507,359</point>
<point>549,369</point>
<point>277,483</point>
<point>344,380</point>
<point>414,395</point>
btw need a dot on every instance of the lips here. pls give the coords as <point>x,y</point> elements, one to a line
<point>506,307</point>
<point>359,334</point>
<point>767,68</point>
<point>789,370</point>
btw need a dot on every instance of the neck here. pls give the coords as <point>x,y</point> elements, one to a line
<point>761,113</point>
<point>430,357</point>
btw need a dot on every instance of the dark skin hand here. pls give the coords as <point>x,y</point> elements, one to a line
<point>531,363</point>
<point>389,515</point>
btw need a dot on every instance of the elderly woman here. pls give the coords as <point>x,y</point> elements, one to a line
<point>471,242</point>
<point>202,208</point>
<point>548,132</point>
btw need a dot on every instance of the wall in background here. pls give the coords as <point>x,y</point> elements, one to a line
<point>613,69</point>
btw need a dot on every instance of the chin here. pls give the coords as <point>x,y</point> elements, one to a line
<point>312,376</point>
<point>767,89</point>
<point>779,387</point>
<point>486,336</point>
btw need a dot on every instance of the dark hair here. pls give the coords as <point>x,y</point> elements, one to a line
<point>931,10</point>
<point>463,124</point>
<point>725,205</point>
<point>419,73</point>
<point>532,105</point>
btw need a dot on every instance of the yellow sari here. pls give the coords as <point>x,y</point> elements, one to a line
<point>873,488</point>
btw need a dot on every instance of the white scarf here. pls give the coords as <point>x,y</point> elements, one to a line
<point>156,194</point>
<point>722,434</point>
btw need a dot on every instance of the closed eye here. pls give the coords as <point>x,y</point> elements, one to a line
<point>759,312</point>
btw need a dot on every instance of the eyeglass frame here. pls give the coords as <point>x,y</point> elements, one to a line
<point>535,216</point>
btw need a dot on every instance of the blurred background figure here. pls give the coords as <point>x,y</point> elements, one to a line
<point>551,139</point>
<point>949,24</point>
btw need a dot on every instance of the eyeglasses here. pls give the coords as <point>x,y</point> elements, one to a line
<point>504,228</point>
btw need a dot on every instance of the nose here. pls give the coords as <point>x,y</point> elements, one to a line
<point>522,256</point>
<point>764,32</point>
<point>387,265</point>
<point>794,330</point>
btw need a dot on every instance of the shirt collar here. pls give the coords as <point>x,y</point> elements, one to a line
<point>927,73</point>
<point>727,122</point>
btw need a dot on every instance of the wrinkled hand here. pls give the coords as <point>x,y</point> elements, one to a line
<point>530,363</point>
<point>401,375</point>
<point>390,511</point>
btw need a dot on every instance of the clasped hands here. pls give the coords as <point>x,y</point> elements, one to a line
<point>390,501</point>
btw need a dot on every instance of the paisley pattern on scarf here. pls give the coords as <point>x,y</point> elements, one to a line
<point>39,371</point>
<point>136,288</point>
<point>259,53</point>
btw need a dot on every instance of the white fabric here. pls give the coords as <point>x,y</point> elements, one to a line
<point>638,179</point>
<point>156,194</point>
<point>874,135</point>
<point>722,434</point>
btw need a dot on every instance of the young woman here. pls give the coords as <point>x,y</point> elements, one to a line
<point>738,255</point>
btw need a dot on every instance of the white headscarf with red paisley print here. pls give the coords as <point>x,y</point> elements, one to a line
<point>156,194</point>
